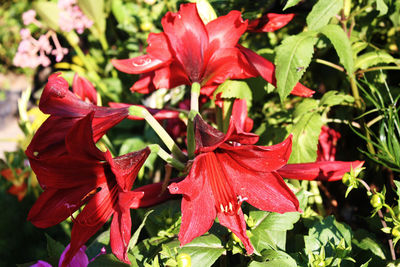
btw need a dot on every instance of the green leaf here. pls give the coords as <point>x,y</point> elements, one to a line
<point>342,45</point>
<point>135,236</point>
<point>54,250</point>
<point>292,58</point>
<point>95,247</point>
<point>305,138</point>
<point>291,3</point>
<point>397,183</point>
<point>269,230</point>
<point>203,250</point>
<point>333,98</point>
<point>372,58</point>
<point>48,13</point>
<point>235,89</point>
<point>274,258</point>
<point>381,7</point>
<point>94,10</point>
<point>108,260</point>
<point>322,12</point>
<point>364,241</point>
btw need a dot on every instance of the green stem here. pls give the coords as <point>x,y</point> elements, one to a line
<point>165,137</point>
<point>167,157</point>
<point>329,64</point>
<point>194,110</point>
<point>103,42</point>
<point>378,68</point>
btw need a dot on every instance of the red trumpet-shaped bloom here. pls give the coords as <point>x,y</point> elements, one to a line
<point>84,175</point>
<point>228,170</point>
<point>269,22</point>
<point>189,51</point>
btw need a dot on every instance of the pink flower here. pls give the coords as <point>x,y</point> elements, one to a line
<point>72,18</point>
<point>28,17</point>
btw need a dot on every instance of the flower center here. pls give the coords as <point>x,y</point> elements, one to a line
<point>226,200</point>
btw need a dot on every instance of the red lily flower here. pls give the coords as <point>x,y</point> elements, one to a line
<point>228,170</point>
<point>66,109</point>
<point>189,51</point>
<point>269,22</point>
<point>84,175</point>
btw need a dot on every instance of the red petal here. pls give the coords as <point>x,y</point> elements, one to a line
<point>138,65</point>
<point>97,212</point>
<point>153,194</point>
<point>120,234</point>
<point>159,47</point>
<point>237,225</point>
<point>84,89</point>
<point>239,113</point>
<point>269,22</point>
<point>260,158</point>
<point>170,76</point>
<point>264,190</point>
<point>126,167</point>
<point>198,206</point>
<point>207,137</point>
<point>55,205</point>
<point>321,170</point>
<point>266,69</point>
<point>226,63</point>
<point>145,83</point>
<point>188,39</point>
<point>225,31</point>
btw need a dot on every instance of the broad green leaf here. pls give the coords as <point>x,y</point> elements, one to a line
<point>306,105</point>
<point>332,98</point>
<point>305,138</point>
<point>357,47</point>
<point>94,10</point>
<point>274,258</point>
<point>292,59</point>
<point>135,236</point>
<point>381,7</point>
<point>322,12</point>
<point>119,11</point>
<point>235,89</point>
<point>291,3</point>
<point>108,260</point>
<point>342,45</point>
<point>269,230</point>
<point>371,59</point>
<point>203,250</point>
<point>363,240</point>
<point>48,13</point>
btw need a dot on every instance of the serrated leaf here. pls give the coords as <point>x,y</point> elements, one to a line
<point>371,59</point>
<point>292,59</point>
<point>291,3</point>
<point>357,47</point>
<point>94,10</point>
<point>333,98</point>
<point>342,45</point>
<point>322,12</point>
<point>305,138</point>
<point>306,105</point>
<point>235,89</point>
<point>48,13</point>
<point>108,260</point>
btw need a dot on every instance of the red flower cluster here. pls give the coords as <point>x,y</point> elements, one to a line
<point>228,168</point>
